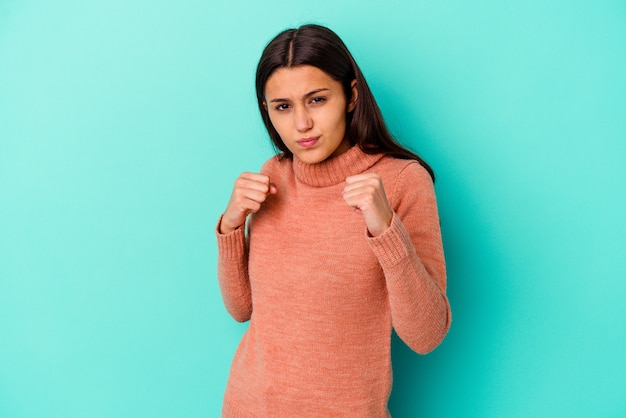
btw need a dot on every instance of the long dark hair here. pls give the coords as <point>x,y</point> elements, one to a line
<point>320,47</point>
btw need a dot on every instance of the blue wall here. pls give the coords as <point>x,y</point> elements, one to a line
<point>123,125</point>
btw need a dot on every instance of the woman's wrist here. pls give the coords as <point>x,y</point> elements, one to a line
<point>226,228</point>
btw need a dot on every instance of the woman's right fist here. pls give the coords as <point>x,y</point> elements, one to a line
<point>249,193</point>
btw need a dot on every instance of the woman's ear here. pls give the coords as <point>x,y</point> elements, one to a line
<point>265,105</point>
<point>355,96</point>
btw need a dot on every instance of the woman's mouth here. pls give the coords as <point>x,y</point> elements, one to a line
<point>308,142</point>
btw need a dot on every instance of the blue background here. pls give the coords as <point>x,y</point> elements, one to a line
<point>123,125</point>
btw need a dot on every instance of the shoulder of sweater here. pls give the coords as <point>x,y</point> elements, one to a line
<point>405,181</point>
<point>275,163</point>
<point>404,170</point>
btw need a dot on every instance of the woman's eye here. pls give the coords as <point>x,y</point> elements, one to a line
<point>282,106</point>
<point>318,100</point>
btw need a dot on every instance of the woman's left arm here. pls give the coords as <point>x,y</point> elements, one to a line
<point>410,252</point>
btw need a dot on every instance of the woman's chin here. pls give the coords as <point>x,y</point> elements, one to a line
<point>311,156</point>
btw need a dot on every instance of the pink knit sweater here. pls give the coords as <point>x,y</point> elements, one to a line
<point>322,295</point>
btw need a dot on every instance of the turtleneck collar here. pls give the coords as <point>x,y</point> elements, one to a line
<point>334,170</point>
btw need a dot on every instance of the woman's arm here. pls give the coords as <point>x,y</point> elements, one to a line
<point>249,193</point>
<point>410,252</point>
<point>232,273</point>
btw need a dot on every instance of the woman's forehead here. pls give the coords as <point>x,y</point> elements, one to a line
<point>298,81</point>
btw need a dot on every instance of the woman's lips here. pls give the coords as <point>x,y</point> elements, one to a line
<point>308,142</point>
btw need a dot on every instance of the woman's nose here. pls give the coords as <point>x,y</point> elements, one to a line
<point>304,122</point>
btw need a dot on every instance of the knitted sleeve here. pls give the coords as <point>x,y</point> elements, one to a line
<point>232,273</point>
<point>411,255</point>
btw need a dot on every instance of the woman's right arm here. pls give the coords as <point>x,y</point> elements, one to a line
<point>249,193</point>
<point>232,272</point>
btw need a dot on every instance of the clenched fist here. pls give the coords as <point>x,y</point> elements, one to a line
<point>249,193</point>
<point>365,194</point>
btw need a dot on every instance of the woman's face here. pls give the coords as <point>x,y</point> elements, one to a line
<point>308,110</point>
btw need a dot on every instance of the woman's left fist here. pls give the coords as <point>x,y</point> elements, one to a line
<point>365,194</point>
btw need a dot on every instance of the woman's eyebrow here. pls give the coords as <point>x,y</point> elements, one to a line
<point>309,94</point>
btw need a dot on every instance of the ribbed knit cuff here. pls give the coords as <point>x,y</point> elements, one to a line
<point>232,245</point>
<point>393,245</point>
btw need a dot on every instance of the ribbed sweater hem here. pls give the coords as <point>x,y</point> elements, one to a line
<point>230,410</point>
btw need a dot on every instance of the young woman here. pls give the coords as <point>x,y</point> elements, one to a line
<point>342,245</point>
